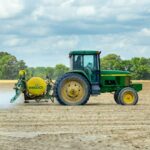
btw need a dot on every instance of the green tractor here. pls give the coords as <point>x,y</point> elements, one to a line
<point>85,78</point>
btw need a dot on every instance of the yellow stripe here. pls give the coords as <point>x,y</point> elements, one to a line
<point>115,75</point>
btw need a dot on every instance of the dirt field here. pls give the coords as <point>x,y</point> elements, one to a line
<point>101,124</point>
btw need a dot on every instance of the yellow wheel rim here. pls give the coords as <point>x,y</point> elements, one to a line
<point>128,98</point>
<point>72,91</point>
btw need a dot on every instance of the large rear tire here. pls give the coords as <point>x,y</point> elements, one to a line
<point>72,89</point>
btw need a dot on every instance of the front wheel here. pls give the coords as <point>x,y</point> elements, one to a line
<point>116,97</point>
<point>72,89</point>
<point>128,96</point>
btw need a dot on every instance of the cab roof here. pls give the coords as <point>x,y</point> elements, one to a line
<point>84,52</point>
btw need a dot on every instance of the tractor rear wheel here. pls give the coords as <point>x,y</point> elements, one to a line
<point>72,89</point>
<point>128,96</point>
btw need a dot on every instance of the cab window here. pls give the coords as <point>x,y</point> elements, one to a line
<point>89,61</point>
<point>78,62</point>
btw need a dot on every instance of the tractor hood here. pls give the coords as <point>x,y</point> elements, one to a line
<point>115,73</point>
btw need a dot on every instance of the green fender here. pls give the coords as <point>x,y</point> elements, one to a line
<point>82,73</point>
<point>138,87</point>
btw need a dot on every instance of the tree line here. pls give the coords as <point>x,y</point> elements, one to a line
<point>10,66</point>
<point>139,67</point>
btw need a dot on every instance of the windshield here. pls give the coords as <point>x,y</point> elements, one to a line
<point>79,62</point>
<point>87,63</point>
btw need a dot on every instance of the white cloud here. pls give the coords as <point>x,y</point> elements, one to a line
<point>127,17</point>
<point>49,29</point>
<point>67,3</point>
<point>9,8</point>
<point>55,13</point>
<point>86,11</point>
<point>38,13</point>
<point>145,32</point>
<point>12,41</point>
<point>122,3</point>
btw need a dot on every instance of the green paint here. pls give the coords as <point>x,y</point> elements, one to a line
<point>109,80</point>
<point>115,72</point>
<point>84,52</point>
<point>81,72</point>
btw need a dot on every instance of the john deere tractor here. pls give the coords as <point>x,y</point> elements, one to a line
<point>85,78</point>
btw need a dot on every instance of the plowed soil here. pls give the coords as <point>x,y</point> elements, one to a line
<point>99,125</point>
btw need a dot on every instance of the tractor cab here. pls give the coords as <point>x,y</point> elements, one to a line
<point>87,63</point>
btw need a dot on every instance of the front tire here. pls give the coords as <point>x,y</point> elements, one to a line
<point>72,89</point>
<point>116,97</point>
<point>128,96</point>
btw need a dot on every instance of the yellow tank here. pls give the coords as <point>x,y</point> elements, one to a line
<point>36,86</point>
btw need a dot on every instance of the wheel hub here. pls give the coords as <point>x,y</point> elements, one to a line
<point>128,98</point>
<point>72,91</point>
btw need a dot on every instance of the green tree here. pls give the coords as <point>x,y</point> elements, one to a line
<point>37,72</point>
<point>111,62</point>
<point>50,72</point>
<point>125,65</point>
<point>60,69</point>
<point>21,65</point>
<point>10,66</point>
<point>140,68</point>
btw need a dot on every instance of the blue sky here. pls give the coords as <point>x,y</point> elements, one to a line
<point>42,32</point>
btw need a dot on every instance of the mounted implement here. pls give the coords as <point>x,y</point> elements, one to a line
<point>84,79</point>
<point>33,89</point>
